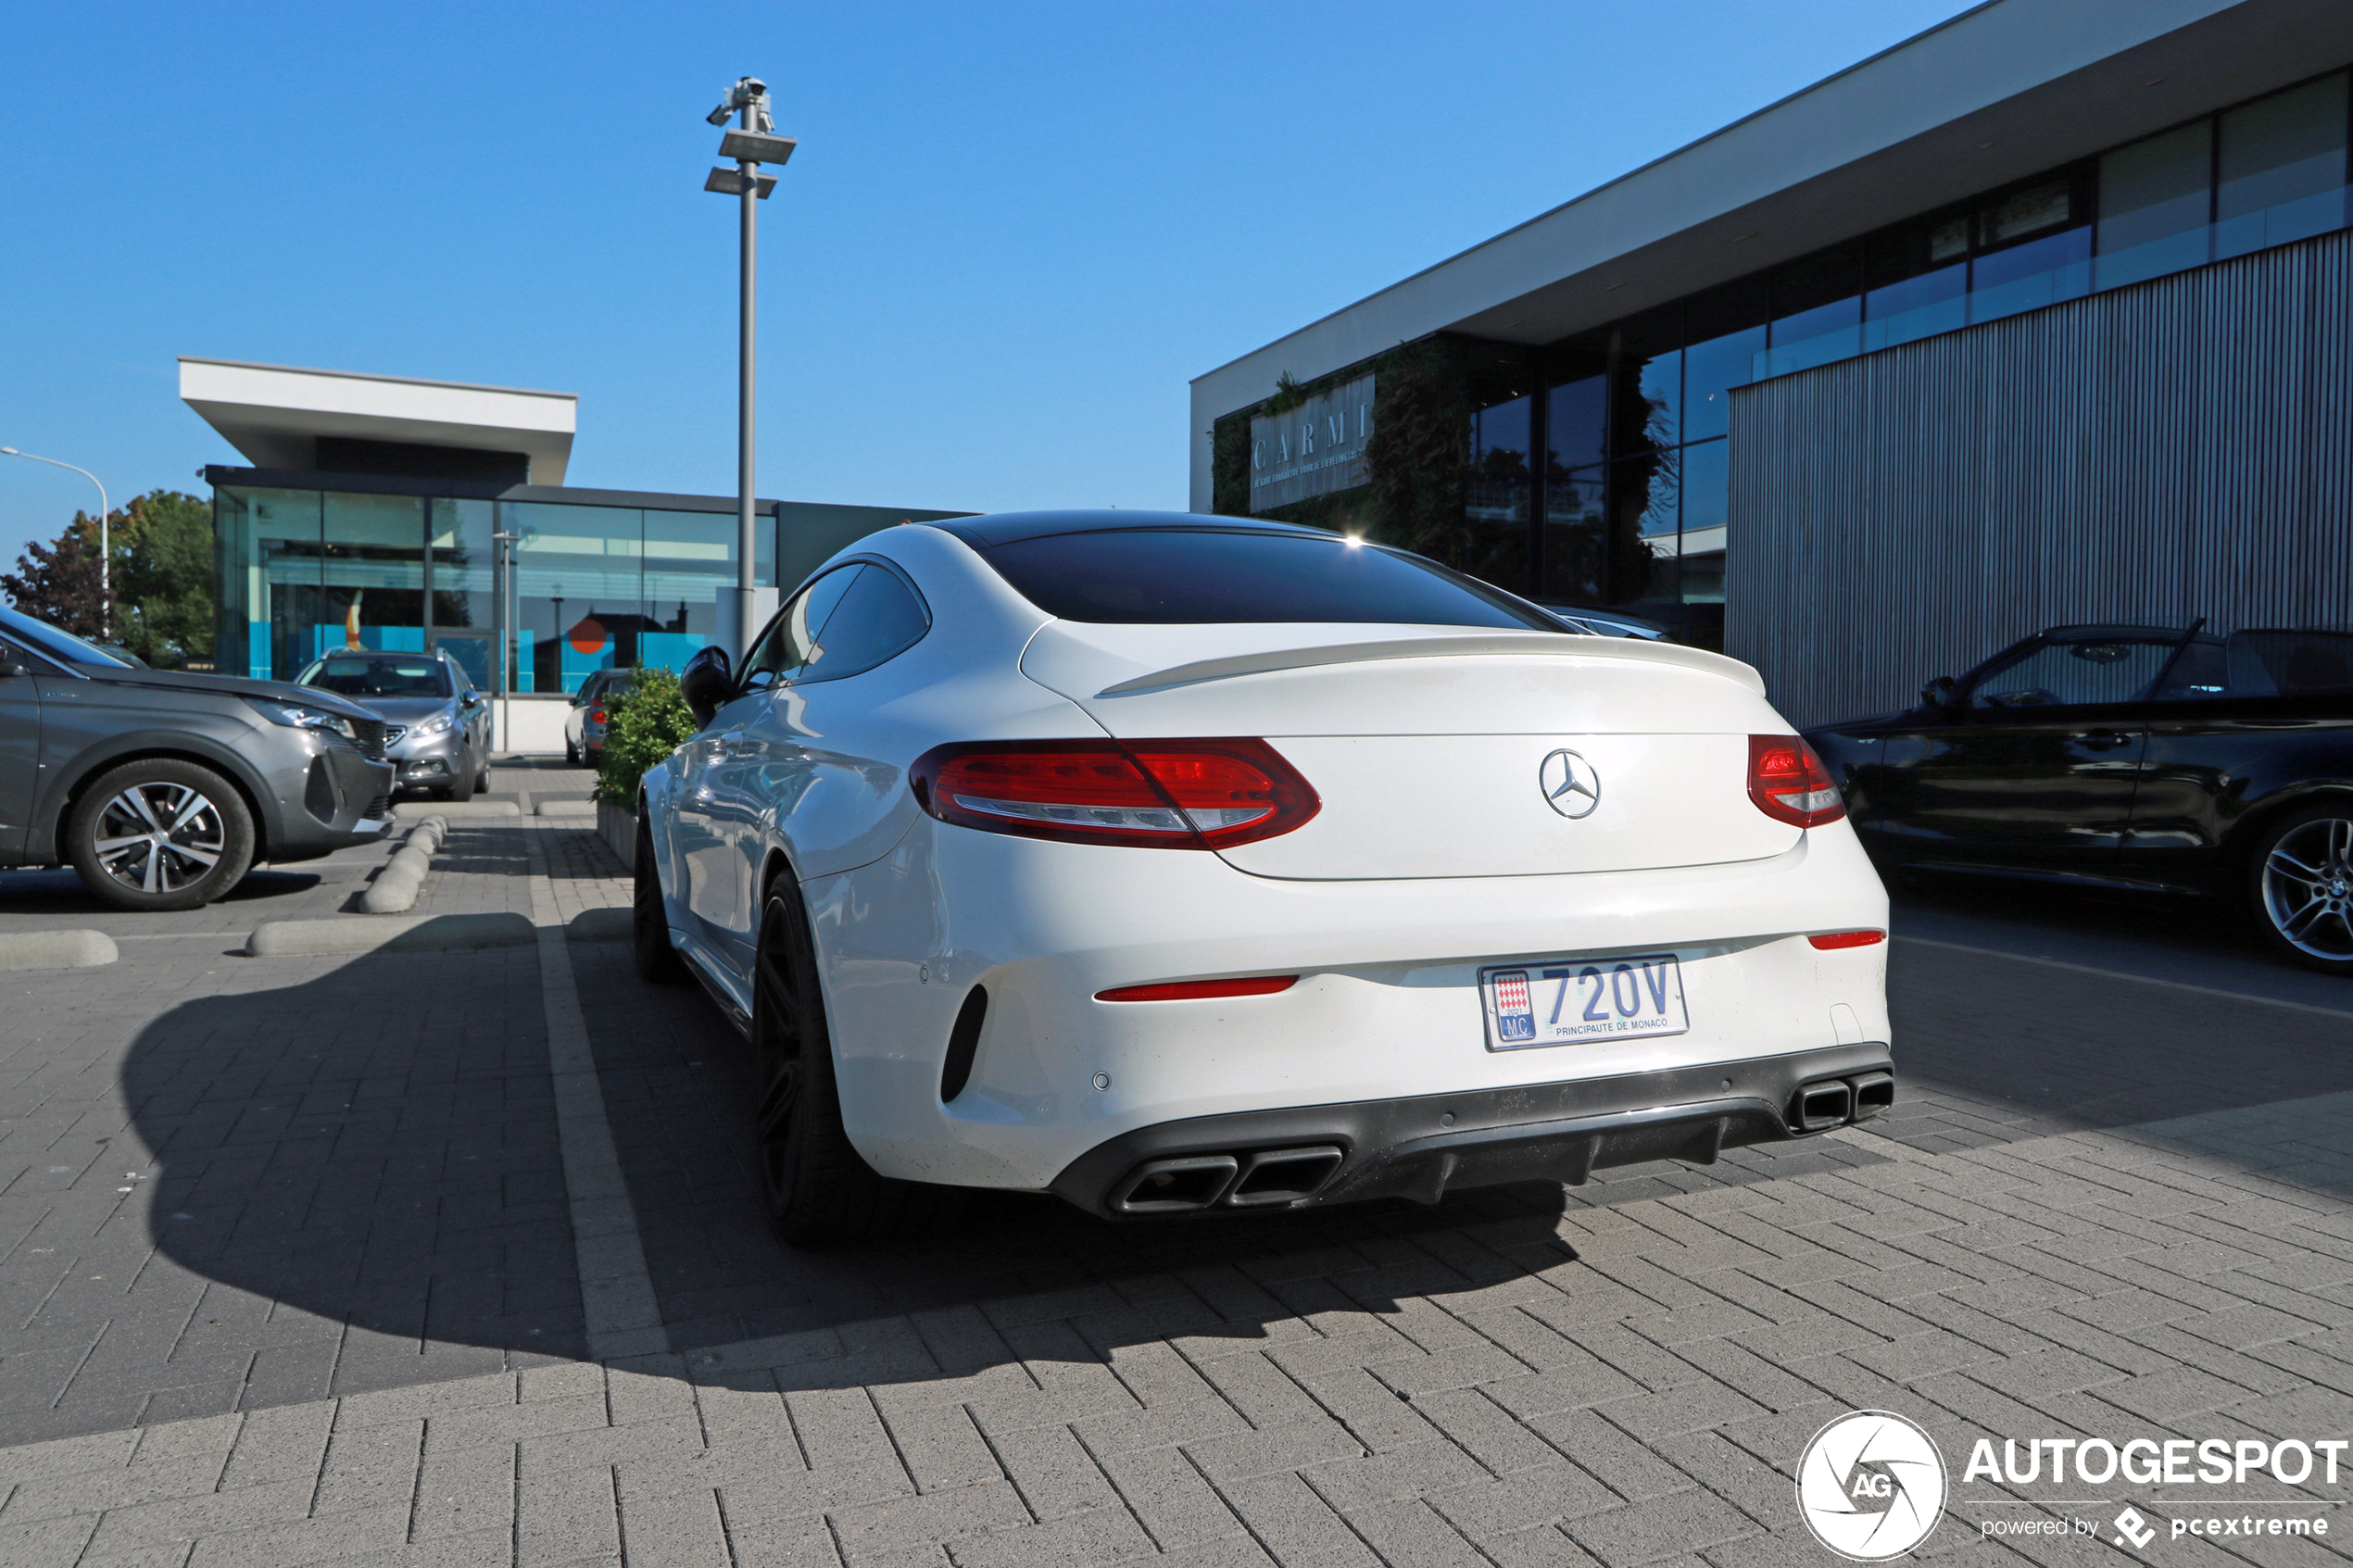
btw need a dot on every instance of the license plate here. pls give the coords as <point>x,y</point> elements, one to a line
<point>1567,1001</point>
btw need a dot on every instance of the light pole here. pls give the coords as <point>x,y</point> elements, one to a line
<point>502,578</point>
<point>106,578</point>
<point>750,145</point>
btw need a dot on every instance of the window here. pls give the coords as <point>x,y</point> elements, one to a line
<point>1210,576</point>
<point>1818,310</point>
<point>1499,444</point>
<point>2067,674</point>
<point>2294,664</point>
<point>2153,205</point>
<point>877,619</point>
<point>1575,414</point>
<point>378,676</point>
<point>62,645</point>
<point>2283,169</point>
<point>790,636</point>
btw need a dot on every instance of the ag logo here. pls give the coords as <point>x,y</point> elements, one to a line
<point>1870,1486</point>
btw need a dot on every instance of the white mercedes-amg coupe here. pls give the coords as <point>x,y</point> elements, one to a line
<point>1175,864</point>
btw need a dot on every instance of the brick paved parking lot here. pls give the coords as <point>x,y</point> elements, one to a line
<point>324,1261</point>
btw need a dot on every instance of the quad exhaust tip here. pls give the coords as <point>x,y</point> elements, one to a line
<point>1253,1179</point>
<point>1835,1102</point>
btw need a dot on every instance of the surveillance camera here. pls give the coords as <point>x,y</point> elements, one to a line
<point>753,86</point>
<point>720,115</point>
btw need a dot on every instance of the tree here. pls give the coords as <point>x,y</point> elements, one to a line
<point>58,582</point>
<point>162,560</point>
<point>163,571</point>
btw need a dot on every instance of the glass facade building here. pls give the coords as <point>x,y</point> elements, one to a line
<point>600,579</point>
<point>1599,464</point>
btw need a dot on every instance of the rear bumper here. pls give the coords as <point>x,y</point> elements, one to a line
<point>1424,1146</point>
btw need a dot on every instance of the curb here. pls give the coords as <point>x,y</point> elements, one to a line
<point>568,808</point>
<point>410,934</point>
<point>403,877</point>
<point>414,811</point>
<point>615,923</point>
<point>57,949</point>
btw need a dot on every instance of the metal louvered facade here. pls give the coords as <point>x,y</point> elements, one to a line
<point>2178,448</point>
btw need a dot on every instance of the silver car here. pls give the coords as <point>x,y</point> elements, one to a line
<point>162,788</point>
<point>584,725</point>
<point>437,726</point>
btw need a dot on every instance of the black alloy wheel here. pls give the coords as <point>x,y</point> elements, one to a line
<point>820,1191</point>
<point>160,835</point>
<point>658,962</point>
<point>2303,887</point>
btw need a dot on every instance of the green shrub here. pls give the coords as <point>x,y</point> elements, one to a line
<point>643,726</point>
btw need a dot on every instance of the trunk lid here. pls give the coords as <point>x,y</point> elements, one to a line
<point>1433,749</point>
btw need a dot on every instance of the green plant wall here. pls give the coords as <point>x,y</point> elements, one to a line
<point>1413,497</point>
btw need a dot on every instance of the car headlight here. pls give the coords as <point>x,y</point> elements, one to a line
<point>439,725</point>
<point>296,717</point>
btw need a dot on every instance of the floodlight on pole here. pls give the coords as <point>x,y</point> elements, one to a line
<point>106,577</point>
<point>751,144</point>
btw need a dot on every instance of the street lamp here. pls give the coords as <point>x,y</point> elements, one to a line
<point>106,578</point>
<point>750,145</point>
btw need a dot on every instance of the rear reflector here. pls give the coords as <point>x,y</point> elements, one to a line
<point>1154,794</point>
<point>1187,990</point>
<point>1788,783</point>
<point>1831,939</point>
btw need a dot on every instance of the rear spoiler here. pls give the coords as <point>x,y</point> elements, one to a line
<point>1472,645</point>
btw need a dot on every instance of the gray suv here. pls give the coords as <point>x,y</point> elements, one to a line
<point>160,788</point>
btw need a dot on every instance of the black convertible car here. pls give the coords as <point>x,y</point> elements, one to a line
<point>2136,756</point>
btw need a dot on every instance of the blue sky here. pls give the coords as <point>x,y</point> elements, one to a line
<point>1013,232</point>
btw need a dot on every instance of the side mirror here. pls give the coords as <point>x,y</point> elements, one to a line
<point>1942,694</point>
<point>706,682</point>
<point>471,701</point>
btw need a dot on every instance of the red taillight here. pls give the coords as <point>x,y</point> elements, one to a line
<point>1187,990</point>
<point>1788,783</point>
<point>1150,794</point>
<point>596,715</point>
<point>1829,940</point>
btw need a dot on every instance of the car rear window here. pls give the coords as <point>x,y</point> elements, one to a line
<point>378,676</point>
<point>1194,576</point>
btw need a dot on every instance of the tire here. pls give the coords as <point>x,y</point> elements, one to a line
<point>461,787</point>
<point>2301,887</point>
<point>482,780</point>
<point>657,961</point>
<point>820,1192</point>
<point>572,755</point>
<point>206,842</point>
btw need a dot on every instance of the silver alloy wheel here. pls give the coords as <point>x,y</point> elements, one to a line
<point>2308,888</point>
<point>160,836</point>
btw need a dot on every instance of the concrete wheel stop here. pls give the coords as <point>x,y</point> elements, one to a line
<point>377,934</point>
<point>57,949</point>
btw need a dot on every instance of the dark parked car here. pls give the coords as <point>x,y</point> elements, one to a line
<point>436,725</point>
<point>2132,757</point>
<point>160,788</point>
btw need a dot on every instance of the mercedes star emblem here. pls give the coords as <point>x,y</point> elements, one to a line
<point>1570,784</point>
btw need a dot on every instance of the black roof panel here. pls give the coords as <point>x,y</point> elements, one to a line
<point>1005,528</point>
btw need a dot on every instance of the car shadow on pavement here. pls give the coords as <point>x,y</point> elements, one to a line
<point>374,1145</point>
<point>678,1095</point>
<point>59,892</point>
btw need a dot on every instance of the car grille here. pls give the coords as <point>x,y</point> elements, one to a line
<point>393,732</point>
<point>372,736</point>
